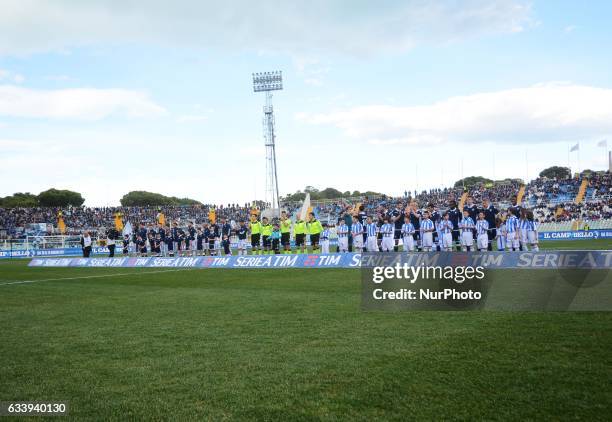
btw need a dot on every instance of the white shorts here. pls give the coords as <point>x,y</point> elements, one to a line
<point>343,244</point>
<point>512,240</point>
<point>427,240</point>
<point>192,245</point>
<point>242,244</point>
<point>408,243</point>
<point>372,244</point>
<point>523,235</point>
<point>358,241</point>
<point>388,243</point>
<point>483,241</point>
<point>501,243</point>
<point>324,246</point>
<point>532,237</point>
<point>467,239</point>
<point>447,240</point>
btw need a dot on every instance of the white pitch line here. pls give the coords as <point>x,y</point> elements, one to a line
<point>92,276</point>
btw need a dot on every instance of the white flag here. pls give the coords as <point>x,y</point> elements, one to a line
<point>304,212</point>
<point>603,143</point>
<point>575,148</point>
<point>127,229</point>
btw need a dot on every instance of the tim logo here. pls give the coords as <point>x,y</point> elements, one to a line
<point>459,259</point>
<point>311,260</point>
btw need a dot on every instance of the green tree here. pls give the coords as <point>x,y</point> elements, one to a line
<point>19,200</point>
<point>330,193</point>
<point>60,198</point>
<point>144,198</point>
<point>470,181</point>
<point>556,172</point>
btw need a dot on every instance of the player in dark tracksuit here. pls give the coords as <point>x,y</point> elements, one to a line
<point>435,217</point>
<point>490,213</point>
<point>397,218</point>
<point>454,216</point>
<point>126,244</point>
<point>212,235</point>
<point>226,232</point>
<point>207,235</point>
<point>199,241</point>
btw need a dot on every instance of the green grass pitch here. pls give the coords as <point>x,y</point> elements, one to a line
<point>133,344</point>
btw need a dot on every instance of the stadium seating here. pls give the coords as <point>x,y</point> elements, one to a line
<point>553,201</point>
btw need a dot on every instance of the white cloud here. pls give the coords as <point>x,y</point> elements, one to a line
<point>340,26</point>
<point>15,77</point>
<point>58,78</point>
<point>313,82</point>
<point>82,103</point>
<point>569,28</point>
<point>541,113</point>
<point>192,118</point>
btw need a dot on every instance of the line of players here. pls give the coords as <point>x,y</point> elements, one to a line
<point>425,231</point>
<point>439,235</point>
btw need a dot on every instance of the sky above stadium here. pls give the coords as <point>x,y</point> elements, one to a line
<point>110,96</point>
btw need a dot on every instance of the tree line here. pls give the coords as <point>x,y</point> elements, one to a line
<point>64,198</point>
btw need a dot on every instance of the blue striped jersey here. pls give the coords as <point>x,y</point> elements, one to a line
<point>427,224</point>
<point>371,229</point>
<point>532,226</point>
<point>387,229</point>
<point>407,229</point>
<point>482,226</point>
<point>467,223</point>
<point>342,230</point>
<point>445,226</point>
<point>524,224</point>
<point>325,234</point>
<point>357,228</point>
<point>511,224</point>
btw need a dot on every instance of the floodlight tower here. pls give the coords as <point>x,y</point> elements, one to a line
<point>268,82</point>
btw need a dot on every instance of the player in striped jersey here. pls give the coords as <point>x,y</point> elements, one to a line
<point>500,234</point>
<point>342,230</point>
<point>446,230</point>
<point>532,231</point>
<point>523,227</point>
<point>482,230</point>
<point>325,239</point>
<point>372,235</point>
<point>466,225</point>
<point>408,234</point>
<point>387,230</point>
<point>512,227</point>
<point>427,229</point>
<point>357,232</point>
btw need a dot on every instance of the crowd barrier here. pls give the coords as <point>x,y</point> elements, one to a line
<point>513,260</point>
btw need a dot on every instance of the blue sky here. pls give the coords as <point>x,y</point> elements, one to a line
<point>111,96</point>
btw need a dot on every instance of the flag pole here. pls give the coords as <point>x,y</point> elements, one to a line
<point>579,158</point>
<point>526,167</point>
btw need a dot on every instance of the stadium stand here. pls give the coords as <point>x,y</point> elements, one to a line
<point>552,201</point>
